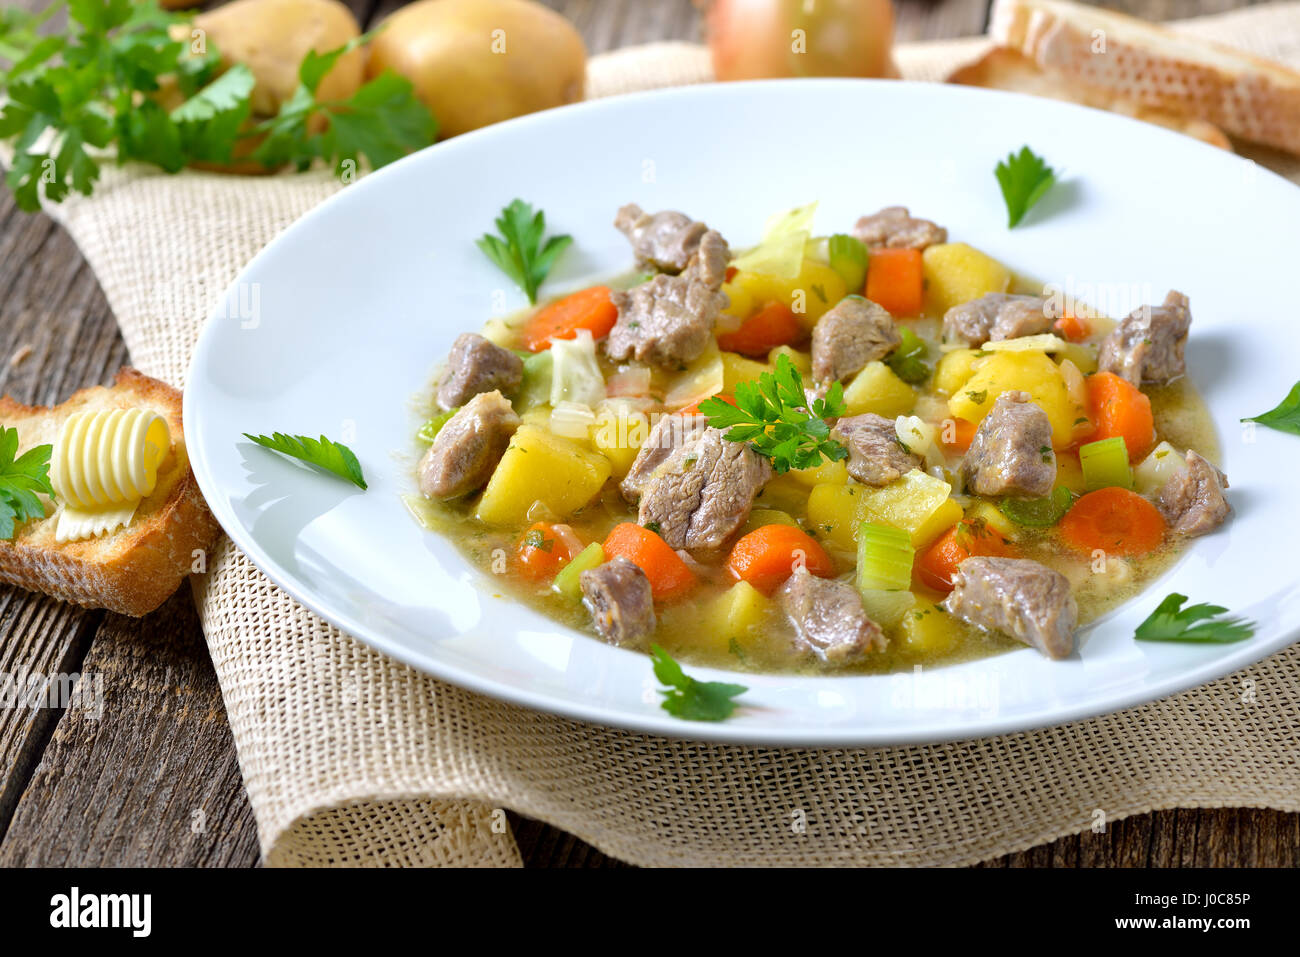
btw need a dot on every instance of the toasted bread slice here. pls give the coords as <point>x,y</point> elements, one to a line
<point>1246,96</point>
<point>134,569</point>
<point>1005,69</point>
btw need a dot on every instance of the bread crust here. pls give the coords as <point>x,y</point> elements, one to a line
<point>134,569</point>
<point>1002,68</point>
<point>1247,96</point>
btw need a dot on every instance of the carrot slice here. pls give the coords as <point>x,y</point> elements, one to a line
<point>769,555</point>
<point>694,407</point>
<point>961,433</point>
<point>938,563</point>
<point>894,280</point>
<point>773,325</point>
<point>669,575</point>
<point>1120,409</point>
<point>1113,520</point>
<point>589,309</point>
<point>542,552</point>
<point>1073,328</point>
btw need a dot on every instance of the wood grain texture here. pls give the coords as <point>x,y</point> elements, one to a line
<point>124,789</point>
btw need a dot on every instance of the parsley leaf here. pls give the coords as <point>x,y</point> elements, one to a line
<point>1024,178</point>
<point>330,456</point>
<point>691,699</point>
<point>1285,417</point>
<point>21,478</point>
<point>519,251</point>
<point>774,416</point>
<point>1198,623</point>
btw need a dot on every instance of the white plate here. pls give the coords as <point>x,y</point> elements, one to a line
<point>359,301</point>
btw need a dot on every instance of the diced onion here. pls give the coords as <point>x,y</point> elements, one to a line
<point>629,381</point>
<point>1157,468</point>
<point>573,420</point>
<point>703,378</point>
<point>1043,343</point>
<point>921,438</point>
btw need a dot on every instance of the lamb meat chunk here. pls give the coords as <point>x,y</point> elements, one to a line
<point>1192,500</point>
<point>664,241</point>
<point>669,320</point>
<point>617,594</point>
<point>1019,597</point>
<point>846,338</point>
<point>669,433</point>
<point>828,618</point>
<point>468,447</point>
<point>996,316</point>
<point>1147,346</point>
<point>703,492</point>
<point>876,457</point>
<point>476,366</point>
<point>893,226</point>
<point>1011,453</point>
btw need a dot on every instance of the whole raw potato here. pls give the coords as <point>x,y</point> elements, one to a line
<point>272,36</point>
<point>475,62</point>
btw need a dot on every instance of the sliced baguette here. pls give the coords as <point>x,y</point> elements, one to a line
<point>1002,68</point>
<point>136,568</point>
<point>1246,96</point>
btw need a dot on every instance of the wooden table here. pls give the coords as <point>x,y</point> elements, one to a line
<point>154,779</point>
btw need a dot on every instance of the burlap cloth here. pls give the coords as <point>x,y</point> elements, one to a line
<point>351,758</point>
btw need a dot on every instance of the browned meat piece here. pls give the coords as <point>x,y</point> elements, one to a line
<point>1020,598</point>
<point>1011,453</point>
<point>876,457</point>
<point>846,338</point>
<point>617,594</point>
<point>894,227</point>
<point>828,617</point>
<point>702,493</point>
<point>996,316</point>
<point>664,241</point>
<point>669,433</point>
<point>475,366</point>
<point>468,447</point>
<point>1192,500</point>
<point>1147,346</point>
<point>669,320</point>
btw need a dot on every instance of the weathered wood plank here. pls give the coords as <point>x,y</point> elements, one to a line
<point>153,779</point>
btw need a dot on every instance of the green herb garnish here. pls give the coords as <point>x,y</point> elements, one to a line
<point>1196,623</point>
<point>100,84</point>
<point>773,415</point>
<point>534,538</point>
<point>322,453</point>
<point>1285,417</point>
<point>1024,178</point>
<point>1038,512</point>
<point>907,360</point>
<point>519,251</point>
<point>685,697</point>
<point>21,479</point>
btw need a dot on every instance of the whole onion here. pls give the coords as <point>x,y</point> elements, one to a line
<point>755,39</point>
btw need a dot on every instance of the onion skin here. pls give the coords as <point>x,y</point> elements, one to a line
<point>759,39</point>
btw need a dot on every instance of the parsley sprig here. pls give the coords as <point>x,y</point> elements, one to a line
<point>22,477</point>
<point>323,453</point>
<point>519,250</point>
<point>1197,623</point>
<point>1024,177</point>
<point>689,698</point>
<point>774,416</point>
<point>1285,417</point>
<point>71,97</point>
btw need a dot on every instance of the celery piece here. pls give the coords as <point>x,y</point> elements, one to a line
<point>1105,464</point>
<point>566,581</point>
<point>907,360</point>
<point>884,558</point>
<point>535,389</point>
<point>1038,512</point>
<point>429,431</point>
<point>848,257</point>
